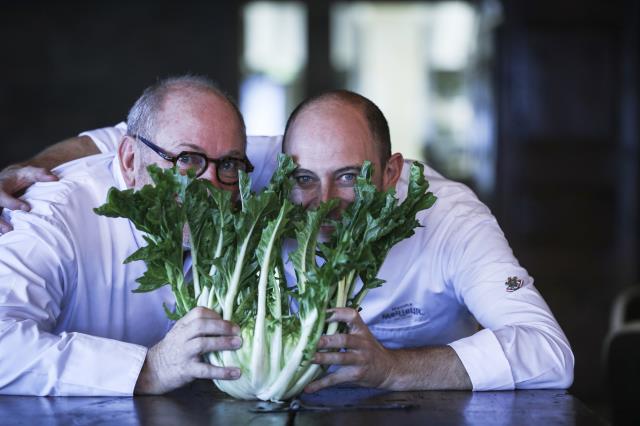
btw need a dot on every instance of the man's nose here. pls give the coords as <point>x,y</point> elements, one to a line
<point>312,199</point>
<point>325,193</point>
<point>210,175</point>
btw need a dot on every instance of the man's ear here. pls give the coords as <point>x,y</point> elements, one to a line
<point>392,171</point>
<point>126,152</point>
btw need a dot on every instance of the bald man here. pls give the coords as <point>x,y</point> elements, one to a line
<point>420,329</point>
<point>455,276</point>
<point>68,322</point>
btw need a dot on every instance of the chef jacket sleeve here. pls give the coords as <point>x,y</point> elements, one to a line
<point>37,282</point>
<point>522,345</point>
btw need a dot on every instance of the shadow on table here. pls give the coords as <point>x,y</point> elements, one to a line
<point>201,403</point>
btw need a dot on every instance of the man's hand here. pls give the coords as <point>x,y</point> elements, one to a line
<point>177,359</point>
<point>14,179</point>
<point>366,362</point>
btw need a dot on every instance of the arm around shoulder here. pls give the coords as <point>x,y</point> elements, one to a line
<point>62,152</point>
<point>17,177</point>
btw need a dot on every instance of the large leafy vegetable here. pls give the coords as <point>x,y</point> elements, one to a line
<point>238,269</point>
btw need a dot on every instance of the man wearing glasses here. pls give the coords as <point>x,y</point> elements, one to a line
<point>68,325</point>
<point>463,264</point>
<point>226,167</point>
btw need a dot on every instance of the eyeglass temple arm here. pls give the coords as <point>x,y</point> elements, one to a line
<point>156,148</point>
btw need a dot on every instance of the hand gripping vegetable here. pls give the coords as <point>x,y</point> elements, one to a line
<point>238,269</point>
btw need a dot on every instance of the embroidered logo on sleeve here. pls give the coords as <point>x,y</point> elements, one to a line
<point>513,284</point>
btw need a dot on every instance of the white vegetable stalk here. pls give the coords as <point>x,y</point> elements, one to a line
<point>258,357</point>
<point>241,249</point>
<point>232,290</point>
<point>277,389</point>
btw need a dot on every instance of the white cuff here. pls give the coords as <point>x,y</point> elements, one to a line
<point>485,361</point>
<point>101,367</point>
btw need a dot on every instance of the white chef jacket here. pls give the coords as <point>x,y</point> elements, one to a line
<point>69,324</point>
<point>459,268</point>
<point>453,272</point>
<point>456,272</point>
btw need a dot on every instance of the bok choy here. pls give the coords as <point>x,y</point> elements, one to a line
<point>238,269</point>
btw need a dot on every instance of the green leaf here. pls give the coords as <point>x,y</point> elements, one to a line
<point>235,251</point>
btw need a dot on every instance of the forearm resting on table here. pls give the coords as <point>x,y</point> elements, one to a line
<point>430,368</point>
<point>61,152</point>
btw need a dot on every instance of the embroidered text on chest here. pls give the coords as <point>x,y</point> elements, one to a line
<point>404,311</point>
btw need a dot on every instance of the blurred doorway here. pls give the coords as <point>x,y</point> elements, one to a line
<point>427,65</point>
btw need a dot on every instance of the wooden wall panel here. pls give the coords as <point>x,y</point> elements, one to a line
<point>566,184</point>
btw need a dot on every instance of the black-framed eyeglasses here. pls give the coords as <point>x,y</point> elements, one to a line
<point>226,167</point>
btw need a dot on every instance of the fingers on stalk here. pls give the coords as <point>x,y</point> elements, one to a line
<point>338,358</point>
<point>201,370</point>
<point>349,316</point>
<point>203,345</point>
<point>211,327</point>
<point>339,341</point>
<point>201,312</point>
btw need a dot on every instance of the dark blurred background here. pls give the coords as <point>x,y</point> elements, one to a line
<point>534,104</point>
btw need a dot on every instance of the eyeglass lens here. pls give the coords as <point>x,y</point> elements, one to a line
<point>226,168</point>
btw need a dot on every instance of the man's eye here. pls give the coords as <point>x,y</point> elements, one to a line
<point>228,164</point>
<point>303,180</point>
<point>188,161</point>
<point>348,178</point>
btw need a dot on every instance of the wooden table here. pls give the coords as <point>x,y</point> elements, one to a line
<point>337,406</point>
